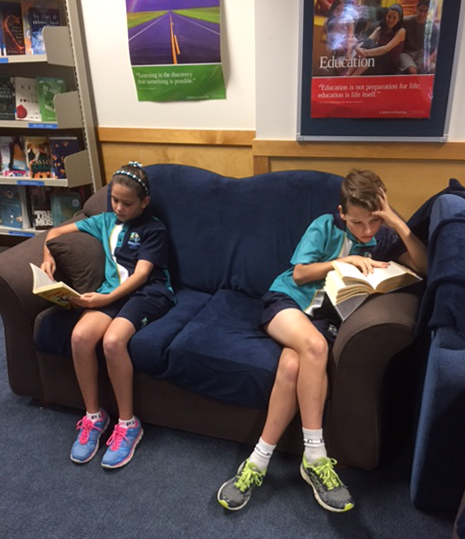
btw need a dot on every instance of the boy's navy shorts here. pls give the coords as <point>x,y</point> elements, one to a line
<point>140,308</point>
<point>325,319</point>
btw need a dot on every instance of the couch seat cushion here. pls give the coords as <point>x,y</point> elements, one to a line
<point>147,347</point>
<point>223,354</point>
<point>54,326</point>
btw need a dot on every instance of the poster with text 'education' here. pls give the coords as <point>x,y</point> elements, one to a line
<point>374,59</point>
<point>174,46</point>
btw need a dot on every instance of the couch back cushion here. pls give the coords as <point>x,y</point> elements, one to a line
<point>236,234</point>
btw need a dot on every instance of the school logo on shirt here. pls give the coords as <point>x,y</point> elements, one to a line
<point>134,241</point>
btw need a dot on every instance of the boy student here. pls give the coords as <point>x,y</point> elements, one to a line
<point>136,291</point>
<point>298,315</point>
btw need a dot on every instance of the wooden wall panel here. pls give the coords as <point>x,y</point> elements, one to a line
<point>412,171</point>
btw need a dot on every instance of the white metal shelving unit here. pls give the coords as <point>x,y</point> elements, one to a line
<point>64,47</point>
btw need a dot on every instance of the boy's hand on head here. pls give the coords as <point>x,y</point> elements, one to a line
<point>364,264</point>
<point>385,211</point>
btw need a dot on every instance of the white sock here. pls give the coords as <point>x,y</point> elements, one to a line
<point>127,423</point>
<point>314,445</point>
<point>98,416</point>
<point>262,454</point>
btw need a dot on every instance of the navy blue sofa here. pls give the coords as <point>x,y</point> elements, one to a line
<point>207,367</point>
<point>438,472</point>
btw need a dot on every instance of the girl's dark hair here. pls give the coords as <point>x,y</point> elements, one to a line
<point>361,188</point>
<point>400,11</point>
<point>134,177</point>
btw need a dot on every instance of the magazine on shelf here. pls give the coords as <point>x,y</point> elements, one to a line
<point>38,157</point>
<point>14,211</point>
<point>47,89</point>
<point>61,147</point>
<point>7,98</point>
<point>12,156</point>
<point>12,36</point>
<point>26,99</point>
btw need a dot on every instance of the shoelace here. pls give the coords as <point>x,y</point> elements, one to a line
<point>326,473</point>
<point>247,478</point>
<point>85,425</point>
<point>118,435</point>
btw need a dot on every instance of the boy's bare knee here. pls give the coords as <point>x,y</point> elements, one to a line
<point>112,345</point>
<point>316,349</point>
<point>288,369</point>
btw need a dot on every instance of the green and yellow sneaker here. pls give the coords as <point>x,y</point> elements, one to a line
<point>328,489</point>
<point>236,492</point>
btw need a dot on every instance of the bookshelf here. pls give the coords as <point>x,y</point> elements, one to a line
<point>64,57</point>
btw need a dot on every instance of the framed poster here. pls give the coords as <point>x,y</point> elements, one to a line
<point>376,69</point>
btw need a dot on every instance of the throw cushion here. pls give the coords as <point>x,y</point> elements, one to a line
<point>80,260</point>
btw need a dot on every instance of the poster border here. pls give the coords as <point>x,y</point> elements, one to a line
<point>432,129</point>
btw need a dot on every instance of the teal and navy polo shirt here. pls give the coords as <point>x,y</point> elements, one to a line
<point>142,238</point>
<point>326,239</point>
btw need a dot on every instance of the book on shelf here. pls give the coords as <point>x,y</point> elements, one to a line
<point>64,205</point>
<point>12,156</point>
<point>12,36</point>
<point>38,157</point>
<point>61,147</point>
<point>56,292</point>
<point>47,89</point>
<point>35,18</point>
<point>347,287</point>
<point>41,210</point>
<point>7,98</point>
<point>26,99</point>
<point>14,212</point>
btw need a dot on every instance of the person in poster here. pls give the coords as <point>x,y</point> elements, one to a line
<point>174,46</point>
<point>385,45</point>
<point>386,69</point>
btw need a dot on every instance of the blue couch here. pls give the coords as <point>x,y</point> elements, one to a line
<point>438,472</point>
<point>206,366</point>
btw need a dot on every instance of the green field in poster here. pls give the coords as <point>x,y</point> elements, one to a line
<point>179,83</point>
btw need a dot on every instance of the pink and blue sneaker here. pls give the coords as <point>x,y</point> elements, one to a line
<point>121,445</point>
<point>87,442</point>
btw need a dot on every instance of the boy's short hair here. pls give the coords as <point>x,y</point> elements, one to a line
<point>361,188</point>
<point>423,3</point>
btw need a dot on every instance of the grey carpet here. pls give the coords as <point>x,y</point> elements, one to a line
<point>169,489</point>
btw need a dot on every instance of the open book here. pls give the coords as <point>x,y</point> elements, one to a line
<point>347,287</point>
<point>56,292</point>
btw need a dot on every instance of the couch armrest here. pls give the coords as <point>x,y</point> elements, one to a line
<point>18,309</point>
<point>366,342</point>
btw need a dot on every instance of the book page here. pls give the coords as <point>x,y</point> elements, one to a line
<point>350,273</point>
<point>40,277</point>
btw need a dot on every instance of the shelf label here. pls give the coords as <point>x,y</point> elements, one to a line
<point>4,60</point>
<point>31,182</point>
<point>20,233</point>
<point>42,126</point>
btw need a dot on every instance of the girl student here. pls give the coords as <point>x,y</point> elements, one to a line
<point>385,45</point>
<point>136,291</point>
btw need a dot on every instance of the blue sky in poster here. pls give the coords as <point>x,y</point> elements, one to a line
<point>159,5</point>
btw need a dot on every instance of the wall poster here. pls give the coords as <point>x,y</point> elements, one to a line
<point>174,46</point>
<point>376,68</point>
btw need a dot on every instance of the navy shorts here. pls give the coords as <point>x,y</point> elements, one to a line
<point>140,308</point>
<point>325,319</point>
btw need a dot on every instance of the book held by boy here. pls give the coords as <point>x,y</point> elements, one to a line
<point>347,287</point>
<point>56,292</point>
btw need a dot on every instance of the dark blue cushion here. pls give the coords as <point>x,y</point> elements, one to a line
<point>53,330</point>
<point>147,347</point>
<point>237,234</point>
<point>223,353</point>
